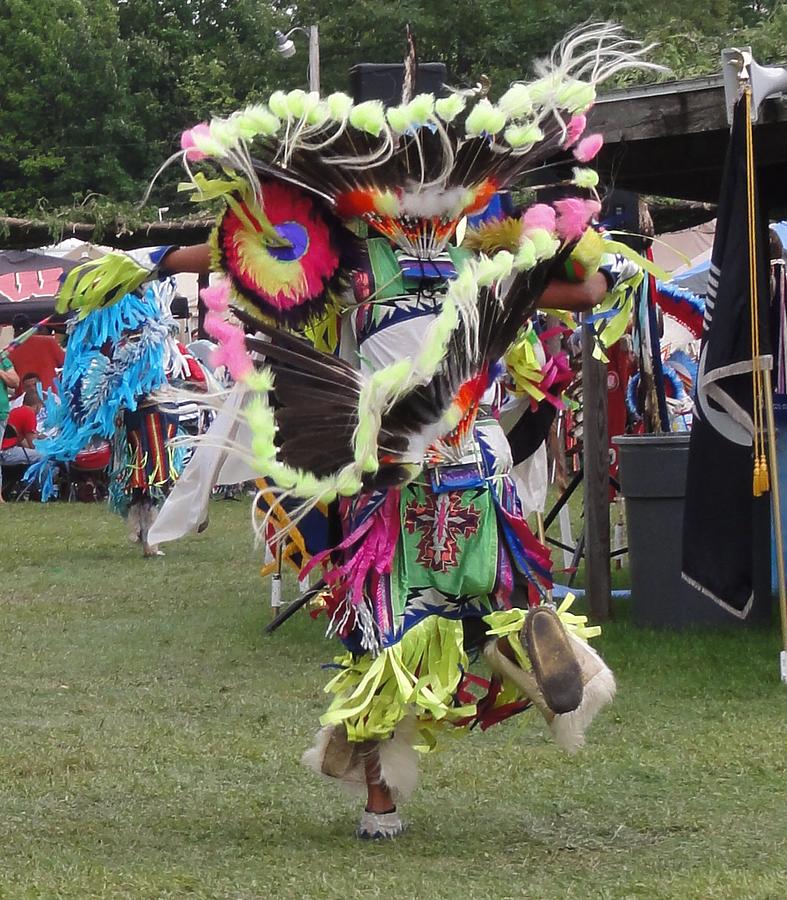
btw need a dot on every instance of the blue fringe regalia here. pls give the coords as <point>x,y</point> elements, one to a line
<point>117,356</point>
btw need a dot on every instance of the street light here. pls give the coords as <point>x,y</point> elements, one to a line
<point>286,47</point>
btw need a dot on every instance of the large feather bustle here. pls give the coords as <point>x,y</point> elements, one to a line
<point>327,430</point>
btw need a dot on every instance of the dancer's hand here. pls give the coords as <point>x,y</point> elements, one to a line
<point>575,296</point>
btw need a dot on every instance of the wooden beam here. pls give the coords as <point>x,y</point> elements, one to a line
<point>654,111</point>
<point>596,481</point>
<point>23,234</point>
<point>670,140</point>
<point>670,109</point>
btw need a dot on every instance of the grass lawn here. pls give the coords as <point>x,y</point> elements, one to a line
<point>151,737</point>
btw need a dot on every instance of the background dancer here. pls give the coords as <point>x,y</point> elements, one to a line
<point>118,360</point>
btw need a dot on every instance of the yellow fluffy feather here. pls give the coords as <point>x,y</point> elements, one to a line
<point>494,235</point>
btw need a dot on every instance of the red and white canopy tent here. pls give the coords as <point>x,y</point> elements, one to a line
<point>29,281</point>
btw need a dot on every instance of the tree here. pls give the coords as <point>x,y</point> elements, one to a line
<point>94,93</point>
<point>63,102</point>
<point>189,60</point>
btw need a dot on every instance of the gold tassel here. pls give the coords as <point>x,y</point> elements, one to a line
<point>761,483</point>
<point>765,483</point>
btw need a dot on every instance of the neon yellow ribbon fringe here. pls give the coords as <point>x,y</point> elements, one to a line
<point>421,674</point>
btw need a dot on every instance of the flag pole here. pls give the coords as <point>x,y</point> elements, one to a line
<point>777,520</point>
<point>18,341</point>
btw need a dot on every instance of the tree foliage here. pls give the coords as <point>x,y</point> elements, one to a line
<point>94,93</point>
<point>61,107</point>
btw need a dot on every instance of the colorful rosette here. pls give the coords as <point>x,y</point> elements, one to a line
<point>283,258</point>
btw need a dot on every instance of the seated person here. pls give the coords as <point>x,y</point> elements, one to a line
<point>20,432</point>
<point>30,386</point>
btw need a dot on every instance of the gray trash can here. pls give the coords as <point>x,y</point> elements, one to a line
<point>653,482</point>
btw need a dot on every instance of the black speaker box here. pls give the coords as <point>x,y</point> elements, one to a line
<point>383,81</point>
<point>620,211</point>
<point>624,211</point>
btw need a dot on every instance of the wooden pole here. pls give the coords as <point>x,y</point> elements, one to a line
<point>202,282</point>
<point>596,452</point>
<point>276,584</point>
<point>314,59</point>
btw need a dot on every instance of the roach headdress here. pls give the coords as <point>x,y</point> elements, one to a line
<point>411,172</point>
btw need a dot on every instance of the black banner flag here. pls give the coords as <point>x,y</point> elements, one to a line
<point>719,521</point>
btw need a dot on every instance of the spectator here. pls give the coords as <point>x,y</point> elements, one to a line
<point>20,432</point>
<point>9,380</point>
<point>33,396</point>
<point>40,354</point>
<point>29,384</point>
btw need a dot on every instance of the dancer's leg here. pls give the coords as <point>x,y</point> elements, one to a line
<point>378,794</point>
<point>380,818</point>
<point>147,517</point>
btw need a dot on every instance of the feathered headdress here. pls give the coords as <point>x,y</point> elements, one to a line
<point>413,171</point>
<point>294,171</point>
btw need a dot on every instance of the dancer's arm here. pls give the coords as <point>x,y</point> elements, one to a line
<point>575,296</point>
<point>194,259</point>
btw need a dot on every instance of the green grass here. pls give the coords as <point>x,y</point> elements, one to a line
<point>151,737</point>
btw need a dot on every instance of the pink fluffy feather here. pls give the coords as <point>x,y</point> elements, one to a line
<point>188,144</point>
<point>573,215</point>
<point>574,129</point>
<point>217,296</point>
<point>539,216</point>
<point>231,351</point>
<point>588,148</point>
